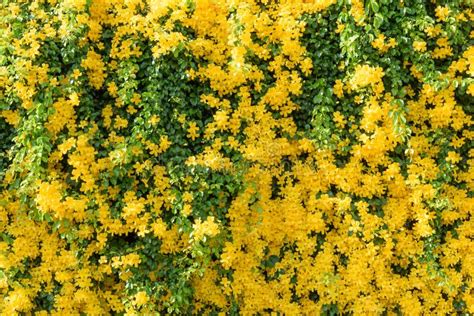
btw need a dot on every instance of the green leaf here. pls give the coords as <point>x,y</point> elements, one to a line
<point>378,20</point>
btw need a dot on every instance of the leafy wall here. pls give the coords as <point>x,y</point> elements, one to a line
<point>238,157</point>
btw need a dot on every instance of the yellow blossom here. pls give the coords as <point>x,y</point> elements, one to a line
<point>207,228</point>
<point>419,46</point>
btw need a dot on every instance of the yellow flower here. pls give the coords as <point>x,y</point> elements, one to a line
<point>49,196</point>
<point>182,118</point>
<point>12,117</point>
<point>136,99</point>
<point>441,13</point>
<point>165,143</point>
<point>112,88</point>
<point>131,260</point>
<point>187,210</point>
<point>339,119</point>
<point>154,119</point>
<point>340,27</point>
<point>338,88</point>
<point>209,227</point>
<point>221,120</point>
<point>187,197</point>
<point>193,131</point>
<point>96,68</point>
<point>141,298</point>
<point>433,31</point>
<point>453,157</point>
<point>76,74</point>
<point>419,46</point>
<point>365,75</point>
<point>107,113</point>
<point>131,110</point>
<point>470,89</point>
<point>120,122</point>
<point>357,11</point>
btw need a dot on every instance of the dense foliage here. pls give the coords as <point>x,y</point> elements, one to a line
<point>236,156</point>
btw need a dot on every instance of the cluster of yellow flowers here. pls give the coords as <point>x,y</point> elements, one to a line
<point>380,44</point>
<point>365,75</point>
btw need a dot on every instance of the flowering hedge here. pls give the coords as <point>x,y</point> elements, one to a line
<point>238,157</point>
